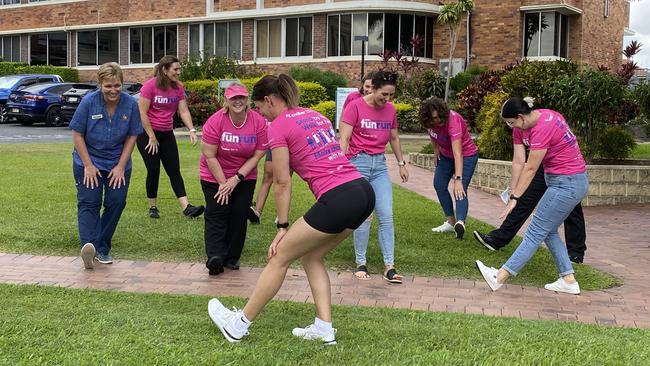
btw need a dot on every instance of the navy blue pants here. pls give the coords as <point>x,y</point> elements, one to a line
<point>93,227</point>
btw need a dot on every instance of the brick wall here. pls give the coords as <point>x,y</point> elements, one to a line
<point>320,36</point>
<point>283,3</point>
<point>232,5</point>
<point>183,39</point>
<point>248,37</point>
<point>604,44</point>
<point>496,33</point>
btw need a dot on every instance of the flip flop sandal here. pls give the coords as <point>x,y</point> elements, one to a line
<point>392,276</point>
<point>364,276</point>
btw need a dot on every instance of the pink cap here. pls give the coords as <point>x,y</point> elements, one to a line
<point>235,90</point>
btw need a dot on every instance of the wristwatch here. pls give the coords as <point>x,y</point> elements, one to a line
<point>458,177</point>
<point>401,163</point>
<point>282,226</point>
<point>240,176</point>
<point>513,197</point>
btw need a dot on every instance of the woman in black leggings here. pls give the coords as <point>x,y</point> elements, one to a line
<point>160,97</point>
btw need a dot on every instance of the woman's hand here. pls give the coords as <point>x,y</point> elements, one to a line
<point>404,173</point>
<point>436,159</point>
<point>506,211</point>
<point>459,191</point>
<point>152,146</point>
<point>225,190</point>
<point>116,177</point>
<point>273,248</point>
<point>90,176</point>
<point>193,138</point>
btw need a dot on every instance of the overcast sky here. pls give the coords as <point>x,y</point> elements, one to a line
<point>639,16</point>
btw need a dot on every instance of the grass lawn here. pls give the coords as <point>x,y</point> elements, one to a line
<point>411,145</point>
<point>641,151</point>
<point>47,325</point>
<point>38,216</point>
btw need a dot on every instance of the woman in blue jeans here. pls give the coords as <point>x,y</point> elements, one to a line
<point>554,146</point>
<point>368,123</point>
<point>455,156</point>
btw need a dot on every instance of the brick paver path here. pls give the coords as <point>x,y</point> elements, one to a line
<point>617,239</point>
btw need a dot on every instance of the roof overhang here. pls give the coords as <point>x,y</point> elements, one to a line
<point>627,32</point>
<point>565,9</point>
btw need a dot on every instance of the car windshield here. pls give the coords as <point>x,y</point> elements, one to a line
<point>7,82</point>
<point>39,87</point>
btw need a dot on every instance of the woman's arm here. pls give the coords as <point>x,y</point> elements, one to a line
<point>282,181</point>
<point>90,171</point>
<point>457,149</point>
<point>397,150</point>
<point>518,162</point>
<point>186,117</point>
<point>226,189</point>
<point>116,176</point>
<point>345,132</point>
<point>143,105</point>
<point>535,158</point>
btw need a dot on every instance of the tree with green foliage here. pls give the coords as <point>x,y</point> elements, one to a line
<point>451,16</point>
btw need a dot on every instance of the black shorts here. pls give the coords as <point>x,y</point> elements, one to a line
<point>344,207</point>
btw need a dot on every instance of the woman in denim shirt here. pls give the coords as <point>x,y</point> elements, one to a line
<point>104,131</point>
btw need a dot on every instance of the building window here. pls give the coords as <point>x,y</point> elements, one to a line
<point>49,49</point>
<point>291,37</point>
<point>148,45</point>
<point>385,31</point>
<point>97,47</point>
<point>269,38</point>
<point>546,34</point>
<point>10,48</point>
<point>9,2</point>
<point>298,33</point>
<point>220,39</point>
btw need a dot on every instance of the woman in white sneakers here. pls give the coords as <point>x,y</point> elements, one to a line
<point>554,146</point>
<point>304,141</point>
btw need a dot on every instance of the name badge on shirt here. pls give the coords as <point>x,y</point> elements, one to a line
<point>97,116</point>
<point>124,117</point>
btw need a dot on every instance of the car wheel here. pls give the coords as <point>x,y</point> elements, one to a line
<point>54,117</point>
<point>4,115</point>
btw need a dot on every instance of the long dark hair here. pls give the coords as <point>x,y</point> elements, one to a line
<point>381,78</point>
<point>162,81</point>
<point>366,77</point>
<point>281,86</point>
<point>516,106</point>
<point>427,108</point>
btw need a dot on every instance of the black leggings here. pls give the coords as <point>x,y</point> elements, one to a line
<point>168,154</point>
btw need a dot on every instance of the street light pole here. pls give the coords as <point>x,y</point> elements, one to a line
<point>363,40</point>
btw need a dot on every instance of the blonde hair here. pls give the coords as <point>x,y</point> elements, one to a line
<point>109,70</point>
<point>226,102</point>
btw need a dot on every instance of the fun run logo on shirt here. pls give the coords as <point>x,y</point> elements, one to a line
<point>236,139</point>
<point>165,100</point>
<point>376,125</point>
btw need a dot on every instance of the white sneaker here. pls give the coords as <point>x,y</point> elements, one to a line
<point>562,286</point>
<point>490,275</point>
<point>224,319</point>
<point>88,255</point>
<point>312,333</point>
<point>459,228</point>
<point>444,228</point>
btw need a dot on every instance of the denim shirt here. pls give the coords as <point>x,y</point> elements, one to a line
<point>104,136</point>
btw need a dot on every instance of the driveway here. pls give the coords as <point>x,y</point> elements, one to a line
<point>15,133</point>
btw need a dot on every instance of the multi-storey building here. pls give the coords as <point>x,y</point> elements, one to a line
<point>277,34</point>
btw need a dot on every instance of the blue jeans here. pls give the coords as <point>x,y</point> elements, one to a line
<point>373,168</point>
<point>444,172</point>
<point>94,228</point>
<point>563,194</point>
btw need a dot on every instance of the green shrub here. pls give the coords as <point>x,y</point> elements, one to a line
<point>407,118</point>
<point>211,67</point>
<point>422,85</point>
<point>642,96</point>
<point>495,140</point>
<point>615,142</point>
<point>534,79</point>
<point>202,111</point>
<point>310,93</point>
<point>327,109</point>
<point>461,80</point>
<point>328,79</point>
<point>202,87</point>
<point>427,149</point>
<point>66,73</point>
<point>470,99</point>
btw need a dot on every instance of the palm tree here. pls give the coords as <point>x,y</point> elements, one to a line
<point>451,15</point>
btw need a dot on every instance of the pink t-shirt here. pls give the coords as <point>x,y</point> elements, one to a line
<point>164,103</point>
<point>351,97</point>
<point>234,144</point>
<point>371,126</point>
<point>552,133</point>
<point>455,129</point>
<point>315,154</point>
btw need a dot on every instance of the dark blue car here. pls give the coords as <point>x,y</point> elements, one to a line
<point>12,83</point>
<point>38,103</point>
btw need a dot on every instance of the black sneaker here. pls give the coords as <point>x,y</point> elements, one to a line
<point>153,212</point>
<point>459,228</point>
<point>253,215</point>
<point>232,263</point>
<point>575,259</point>
<point>214,265</point>
<point>485,240</point>
<point>193,211</point>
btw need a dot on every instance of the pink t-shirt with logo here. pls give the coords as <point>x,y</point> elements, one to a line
<point>164,103</point>
<point>370,126</point>
<point>315,154</point>
<point>234,144</point>
<point>455,129</point>
<point>551,133</point>
<point>351,98</point>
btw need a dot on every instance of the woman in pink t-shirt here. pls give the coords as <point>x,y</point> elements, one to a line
<point>455,157</point>
<point>304,141</point>
<point>160,97</point>
<point>364,90</point>
<point>367,125</point>
<point>554,146</point>
<point>234,140</point>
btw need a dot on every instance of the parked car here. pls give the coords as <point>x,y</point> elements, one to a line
<point>72,97</point>
<point>12,83</point>
<point>37,103</point>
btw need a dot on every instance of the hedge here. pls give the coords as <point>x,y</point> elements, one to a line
<point>203,87</point>
<point>310,93</point>
<point>407,118</point>
<point>12,68</point>
<point>327,109</point>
